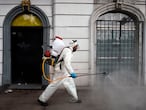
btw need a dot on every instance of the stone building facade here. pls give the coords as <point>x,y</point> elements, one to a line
<point>111,34</point>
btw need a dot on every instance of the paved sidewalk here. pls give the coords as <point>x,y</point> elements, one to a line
<point>27,100</point>
<point>97,98</point>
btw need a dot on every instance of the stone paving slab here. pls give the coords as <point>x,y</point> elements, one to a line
<point>27,100</point>
<point>99,98</point>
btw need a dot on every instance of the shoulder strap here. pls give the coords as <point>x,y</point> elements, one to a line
<point>58,57</point>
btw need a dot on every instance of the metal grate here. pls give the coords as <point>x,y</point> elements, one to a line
<point>117,45</point>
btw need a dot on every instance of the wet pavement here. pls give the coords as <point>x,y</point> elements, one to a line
<point>107,93</point>
<point>27,100</point>
<point>93,98</point>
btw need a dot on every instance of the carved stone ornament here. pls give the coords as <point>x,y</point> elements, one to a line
<point>26,5</point>
<point>118,6</point>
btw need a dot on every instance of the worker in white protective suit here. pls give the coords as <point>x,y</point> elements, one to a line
<point>66,70</point>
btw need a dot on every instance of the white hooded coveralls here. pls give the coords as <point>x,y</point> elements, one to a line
<point>68,82</point>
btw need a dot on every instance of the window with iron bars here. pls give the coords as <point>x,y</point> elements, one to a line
<point>117,43</point>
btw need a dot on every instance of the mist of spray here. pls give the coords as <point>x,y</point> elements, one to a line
<point>120,90</point>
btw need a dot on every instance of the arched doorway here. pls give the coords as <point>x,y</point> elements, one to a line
<point>106,26</point>
<point>31,36</point>
<point>26,49</point>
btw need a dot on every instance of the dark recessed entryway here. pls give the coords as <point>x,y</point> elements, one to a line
<point>26,54</point>
<point>24,35</point>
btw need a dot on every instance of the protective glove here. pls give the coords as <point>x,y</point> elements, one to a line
<point>73,75</point>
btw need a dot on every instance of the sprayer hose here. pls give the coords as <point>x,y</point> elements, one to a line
<point>47,77</point>
<point>60,78</point>
<point>43,69</point>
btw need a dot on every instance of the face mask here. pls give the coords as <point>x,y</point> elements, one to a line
<point>75,48</point>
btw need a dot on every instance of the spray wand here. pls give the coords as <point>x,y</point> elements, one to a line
<point>102,73</point>
<point>60,78</point>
